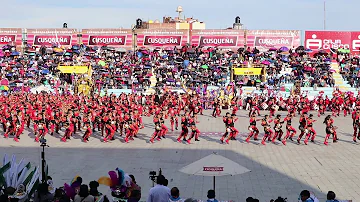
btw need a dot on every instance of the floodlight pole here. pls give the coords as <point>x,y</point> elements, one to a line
<point>324,14</point>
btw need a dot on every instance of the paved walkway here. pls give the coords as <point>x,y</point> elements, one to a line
<point>277,170</point>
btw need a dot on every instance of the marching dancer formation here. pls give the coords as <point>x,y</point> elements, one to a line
<point>111,115</point>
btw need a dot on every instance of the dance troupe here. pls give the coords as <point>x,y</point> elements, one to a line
<point>49,113</point>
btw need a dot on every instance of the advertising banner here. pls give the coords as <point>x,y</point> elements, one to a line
<point>52,37</point>
<point>333,39</point>
<point>107,37</point>
<point>266,39</point>
<point>11,36</point>
<point>162,38</point>
<point>223,39</point>
<point>247,71</point>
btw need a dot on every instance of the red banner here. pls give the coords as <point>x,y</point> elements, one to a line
<point>333,39</point>
<point>42,40</point>
<point>165,37</point>
<point>107,40</point>
<point>224,39</point>
<point>265,39</point>
<point>49,37</point>
<point>7,39</point>
<point>12,36</point>
<point>162,40</point>
<point>108,37</point>
<point>218,41</point>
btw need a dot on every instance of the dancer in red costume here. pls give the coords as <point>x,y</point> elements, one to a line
<point>20,125</point>
<point>290,131</point>
<point>252,128</point>
<point>87,127</point>
<point>267,130</point>
<point>110,128</point>
<point>231,131</point>
<point>69,128</point>
<point>356,124</point>
<point>173,118</point>
<point>184,128</point>
<point>164,129</point>
<point>310,131</point>
<point>330,129</point>
<point>278,128</point>
<point>302,126</point>
<point>42,130</point>
<point>234,132</point>
<point>195,132</point>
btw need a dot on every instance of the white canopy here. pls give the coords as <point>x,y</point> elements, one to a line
<point>214,165</point>
<point>40,89</point>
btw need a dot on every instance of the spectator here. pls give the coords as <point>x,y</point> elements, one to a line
<point>134,185</point>
<point>159,193</point>
<point>305,196</point>
<point>60,196</point>
<point>331,197</point>
<point>211,196</point>
<point>249,199</point>
<point>4,198</point>
<point>191,200</point>
<point>42,194</point>
<point>84,195</point>
<point>135,196</point>
<point>175,195</point>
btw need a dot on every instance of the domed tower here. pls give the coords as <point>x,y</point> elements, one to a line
<point>179,10</point>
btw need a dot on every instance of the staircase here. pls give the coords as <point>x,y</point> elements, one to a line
<point>339,81</point>
<point>151,89</point>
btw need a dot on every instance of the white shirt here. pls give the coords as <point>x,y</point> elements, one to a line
<point>159,193</point>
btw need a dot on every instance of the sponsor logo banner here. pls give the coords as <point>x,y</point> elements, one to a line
<point>247,71</point>
<point>218,41</point>
<point>213,169</point>
<point>327,40</point>
<point>7,38</point>
<point>273,41</point>
<point>107,40</point>
<point>333,39</point>
<point>63,40</point>
<point>162,40</point>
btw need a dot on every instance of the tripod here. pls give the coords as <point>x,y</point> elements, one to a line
<point>43,161</point>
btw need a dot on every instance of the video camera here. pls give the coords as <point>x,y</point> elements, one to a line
<point>153,176</point>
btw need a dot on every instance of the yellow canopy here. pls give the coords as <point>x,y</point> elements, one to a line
<point>73,69</point>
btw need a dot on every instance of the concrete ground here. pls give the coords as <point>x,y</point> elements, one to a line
<point>276,170</point>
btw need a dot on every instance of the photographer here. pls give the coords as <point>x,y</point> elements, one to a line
<point>159,193</point>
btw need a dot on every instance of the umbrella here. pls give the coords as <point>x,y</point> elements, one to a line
<point>101,63</point>
<point>285,53</point>
<point>214,165</point>
<point>15,54</point>
<point>283,49</point>
<point>265,62</point>
<point>122,50</point>
<point>258,81</point>
<point>308,50</point>
<point>4,88</point>
<point>205,67</point>
<point>4,82</point>
<point>332,70</point>
<point>272,49</point>
<point>45,71</point>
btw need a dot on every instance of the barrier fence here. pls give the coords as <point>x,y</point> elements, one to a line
<point>152,38</point>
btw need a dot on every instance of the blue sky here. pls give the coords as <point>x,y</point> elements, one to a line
<point>255,14</point>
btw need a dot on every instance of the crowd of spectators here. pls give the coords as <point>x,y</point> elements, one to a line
<point>192,66</point>
<point>159,193</point>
